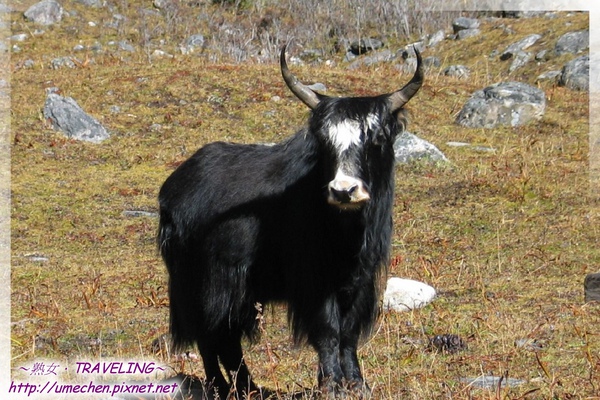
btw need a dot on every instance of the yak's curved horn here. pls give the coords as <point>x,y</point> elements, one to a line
<point>303,92</point>
<point>399,98</point>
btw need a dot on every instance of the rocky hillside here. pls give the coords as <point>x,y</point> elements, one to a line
<point>109,97</point>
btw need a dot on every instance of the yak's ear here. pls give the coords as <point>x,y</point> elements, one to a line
<point>303,92</point>
<point>399,98</point>
<point>402,118</point>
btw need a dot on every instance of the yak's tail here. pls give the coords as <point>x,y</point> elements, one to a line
<point>183,314</point>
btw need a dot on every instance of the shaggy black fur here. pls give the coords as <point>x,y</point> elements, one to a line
<point>248,224</point>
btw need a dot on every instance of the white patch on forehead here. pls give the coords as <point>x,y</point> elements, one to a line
<point>344,134</point>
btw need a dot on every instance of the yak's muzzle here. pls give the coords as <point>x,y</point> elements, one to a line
<point>347,193</point>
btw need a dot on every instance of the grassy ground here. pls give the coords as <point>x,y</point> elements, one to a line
<point>506,237</point>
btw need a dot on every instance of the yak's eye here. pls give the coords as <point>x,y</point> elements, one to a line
<point>377,137</point>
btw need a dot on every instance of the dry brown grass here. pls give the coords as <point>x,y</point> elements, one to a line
<point>506,237</point>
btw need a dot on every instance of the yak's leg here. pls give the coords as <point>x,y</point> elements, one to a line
<point>215,381</point>
<point>325,338</point>
<point>350,364</point>
<point>231,356</point>
<point>350,334</point>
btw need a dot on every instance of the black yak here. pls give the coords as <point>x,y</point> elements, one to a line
<point>307,222</point>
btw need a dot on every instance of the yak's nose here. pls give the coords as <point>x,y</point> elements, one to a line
<point>347,193</point>
<point>342,196</point>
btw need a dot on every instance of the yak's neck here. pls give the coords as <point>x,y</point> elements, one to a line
<point>299,158</point>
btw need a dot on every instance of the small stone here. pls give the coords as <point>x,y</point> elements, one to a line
<point>139,213</point>
<point>125,46</point>
<point>457,71</point>
<point>20,37</point>
<point>529,344</point>
<point>161,54</point>
<point>61,62</point>
<point>409,147</point>
<point>92,3</point>
<point>592,287</point>
<point>542,55</point>
<point>458,144</point>
<point>492,382</point>
<point>406,294</point>
<point>36,258</point>
<point>193,43</point>
<point>484,149</point>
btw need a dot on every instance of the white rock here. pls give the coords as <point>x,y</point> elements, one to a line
<point>409,147</point>
<point>406,294</point>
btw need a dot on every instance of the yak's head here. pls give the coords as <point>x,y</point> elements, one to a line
<point>358,133</point>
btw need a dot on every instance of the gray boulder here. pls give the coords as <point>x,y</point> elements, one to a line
<point>519,46</point>
<point>462,23</point>
<point>408,51</point>
<point>573,42</point>
<point>46,12</point>
<point>576,74</point>
<point>408,67</point>
<point>549,76</point>
<point>409,147</point>
<point>436,38</point>
<point>363,46</point>
<point>311,55</point>
<point>372,59</point>
<point>467,33</point>
<point>432,62</point>
<point>67,116</point>
<point>521,58</point>
<point>506,103</point>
